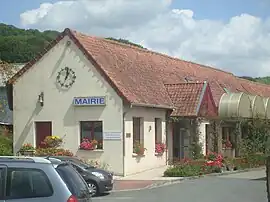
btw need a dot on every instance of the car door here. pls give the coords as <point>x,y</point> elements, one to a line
<point>75,182</point>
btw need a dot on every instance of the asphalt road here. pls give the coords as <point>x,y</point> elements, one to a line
<point>243,187</point>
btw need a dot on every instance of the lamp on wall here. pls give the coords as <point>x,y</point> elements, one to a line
<point>41,99</point>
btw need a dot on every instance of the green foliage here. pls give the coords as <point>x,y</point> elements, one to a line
<point>186,168</point>
<point>6,146</point>
<point>196,150</point>
<point>250,161</point>
<point>265,80</point>
<point>20,45</point>
<point>183,171</point>
<point>255,137</point>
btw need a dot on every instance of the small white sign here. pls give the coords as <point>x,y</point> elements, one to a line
<point>112,135</point>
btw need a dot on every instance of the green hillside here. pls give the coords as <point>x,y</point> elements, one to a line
<point>20,45</point>
<point>265,79</point>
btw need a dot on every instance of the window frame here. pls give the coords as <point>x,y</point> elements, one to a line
<point>27,170</point>
<point>141,130</point>
<point>92,130</point>
<point>158,130</point>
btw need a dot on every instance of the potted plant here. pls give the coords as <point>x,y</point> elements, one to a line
<point>160,148</point>
<point>52,142</point>
<point>139,149</point>
<point>27,150</point>
<point>94,143</point>
<point>87,144</point>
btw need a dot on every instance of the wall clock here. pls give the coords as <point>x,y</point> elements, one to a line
<point>66,78</point>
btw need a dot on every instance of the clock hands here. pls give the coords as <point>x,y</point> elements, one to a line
<point>67,74</point>
<point>66,77</point>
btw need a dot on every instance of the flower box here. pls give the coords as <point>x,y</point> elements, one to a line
<point>159,153</point>
<point>27,152</point>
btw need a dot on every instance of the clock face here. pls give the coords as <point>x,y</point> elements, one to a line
<point>66,78</point>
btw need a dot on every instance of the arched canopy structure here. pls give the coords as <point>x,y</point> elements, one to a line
<point>235,105</point>
<point>257,106</point>
<point>267,107</point>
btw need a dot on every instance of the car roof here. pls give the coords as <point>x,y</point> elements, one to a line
<point>28,159</point>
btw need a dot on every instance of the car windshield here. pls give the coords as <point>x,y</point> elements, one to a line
<point>74,181</point>
<point>80,163</point>
<point>76,161</point>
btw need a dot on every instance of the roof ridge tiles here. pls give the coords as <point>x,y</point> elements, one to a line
<point>184,83</point>
<point>152,52</point>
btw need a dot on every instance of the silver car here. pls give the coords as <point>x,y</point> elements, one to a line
<point>32,179</point>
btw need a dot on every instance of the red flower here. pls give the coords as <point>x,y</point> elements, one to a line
<point>160,148</point>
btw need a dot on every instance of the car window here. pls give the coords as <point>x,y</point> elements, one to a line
<point>27,183</point>
<point>2,182</point>
<point>74,181</point>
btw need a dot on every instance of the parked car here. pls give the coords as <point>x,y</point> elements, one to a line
<point>73,180</point>
<point>99,181</point>
<point>32,179</point>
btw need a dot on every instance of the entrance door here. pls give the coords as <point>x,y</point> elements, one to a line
<point>184,143</point>
<point>43,129</point>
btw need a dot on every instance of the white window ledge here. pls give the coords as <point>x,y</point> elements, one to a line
<point>94,150</point>
<point>137,156</point>
<point>159,154</point>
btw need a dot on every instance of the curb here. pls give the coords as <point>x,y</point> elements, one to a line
<point>176,181</point>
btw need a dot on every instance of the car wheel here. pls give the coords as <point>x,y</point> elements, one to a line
<point>93,188</point>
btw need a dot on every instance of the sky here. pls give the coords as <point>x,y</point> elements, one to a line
<point>227,34</point>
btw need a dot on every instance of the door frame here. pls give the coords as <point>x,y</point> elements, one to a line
<point>35,130</point>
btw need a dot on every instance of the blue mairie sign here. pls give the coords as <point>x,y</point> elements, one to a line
<point>89,101</point>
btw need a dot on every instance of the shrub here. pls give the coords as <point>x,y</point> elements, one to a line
<point>138,148</point>
<point>52,142</point>
<point>183,171</point>
<point>53,152</point>
<point>6,146</point>
<point>250,161</point>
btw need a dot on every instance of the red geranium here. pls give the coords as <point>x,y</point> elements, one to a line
<point>86,144</point>
<point>160,148</point>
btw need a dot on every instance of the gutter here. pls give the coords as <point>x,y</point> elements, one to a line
<point>151,105</point>
<point>201,97</point>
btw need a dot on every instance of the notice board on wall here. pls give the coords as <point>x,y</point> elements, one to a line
<point>112,136</point>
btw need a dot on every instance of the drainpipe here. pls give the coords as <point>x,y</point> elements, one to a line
<point>167,135</point>
<point>124,143</point>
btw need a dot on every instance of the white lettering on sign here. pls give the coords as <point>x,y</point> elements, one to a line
<point>86,101</point>
<point>112,135</point>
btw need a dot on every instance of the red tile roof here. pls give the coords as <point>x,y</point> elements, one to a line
<point>186,98</point>
<point>190,99</point>
<point>138,75</point>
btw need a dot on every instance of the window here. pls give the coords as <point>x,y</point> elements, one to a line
<point>158,130</point>
<point>92,130</point>
<point>137,130</point>
<point>74,181</point>
<point>27,183</point>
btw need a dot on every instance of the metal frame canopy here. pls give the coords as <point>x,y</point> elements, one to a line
<point>267,107</point>
<point>258,107</point>
<point>235,105</point>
